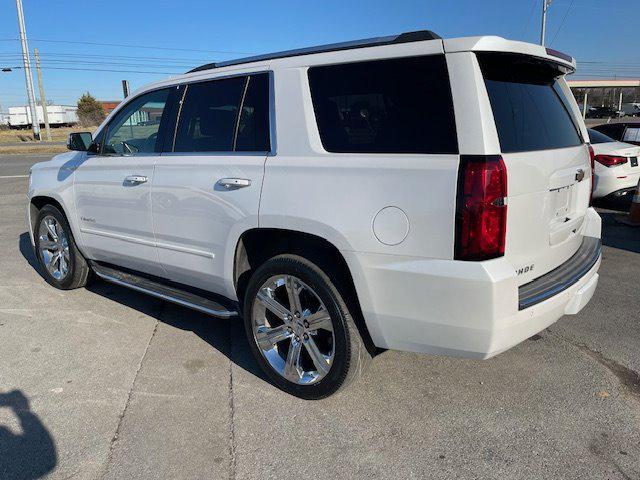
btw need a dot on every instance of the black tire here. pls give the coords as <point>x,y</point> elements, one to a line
<point>350,354</point>
<point>79,271</point>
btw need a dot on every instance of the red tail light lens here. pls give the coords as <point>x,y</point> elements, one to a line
<point>592,156</point>
<point>481,211</point>
<point>610,160</point>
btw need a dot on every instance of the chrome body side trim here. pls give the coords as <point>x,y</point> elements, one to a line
<point>141,241</point>
<point>561,278</point>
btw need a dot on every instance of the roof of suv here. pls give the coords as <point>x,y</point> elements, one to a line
<point>412,39</point>
<point>481,43</point>
<point>406,37</point>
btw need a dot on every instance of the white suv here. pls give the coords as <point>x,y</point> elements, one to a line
<point>405,192</point>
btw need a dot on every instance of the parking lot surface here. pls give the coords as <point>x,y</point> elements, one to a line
<point>108,383</point>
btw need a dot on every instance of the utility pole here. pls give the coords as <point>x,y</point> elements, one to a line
<point>35,124</point>
<point>545,7</point>
<point>43,100</point>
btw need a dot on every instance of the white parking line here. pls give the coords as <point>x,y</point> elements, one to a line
<point>14,176</point>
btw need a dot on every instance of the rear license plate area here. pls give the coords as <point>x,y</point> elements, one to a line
<point>561,199</point>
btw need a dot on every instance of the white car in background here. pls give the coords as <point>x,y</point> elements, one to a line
<point>616,166</point>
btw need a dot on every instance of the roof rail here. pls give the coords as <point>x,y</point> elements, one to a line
<point>333,47</point>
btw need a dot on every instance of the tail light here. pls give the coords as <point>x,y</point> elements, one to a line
<point>592,156</point>
<point>481,210</point>
<point>610,160</point>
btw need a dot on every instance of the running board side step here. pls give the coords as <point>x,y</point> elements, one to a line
<point>164,292</point>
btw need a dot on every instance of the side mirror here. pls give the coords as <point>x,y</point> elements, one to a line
<point>79,141</point>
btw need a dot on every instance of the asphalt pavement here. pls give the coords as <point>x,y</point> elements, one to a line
<point>108,383</point>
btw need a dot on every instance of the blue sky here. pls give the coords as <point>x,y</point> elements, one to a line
<point>603,31</point>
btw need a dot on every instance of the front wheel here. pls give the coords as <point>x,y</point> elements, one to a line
<point>63,265</point>
<point>300,330</point>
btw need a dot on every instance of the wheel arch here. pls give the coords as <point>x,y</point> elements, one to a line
<point>257,245</point>
<point>36,203</point>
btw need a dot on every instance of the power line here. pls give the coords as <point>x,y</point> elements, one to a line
<point>101,70</point>
<point>130,57</point>
<point>562,22</point>
<point>116,63</point>
<point>129,45</point>
<point>54,62</point>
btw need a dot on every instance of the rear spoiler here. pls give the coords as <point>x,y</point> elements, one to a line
<point>499,44</point>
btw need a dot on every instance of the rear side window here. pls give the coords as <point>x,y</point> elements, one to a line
<point>386,106</point>
<point>529,107</point>
<point>225,115</point>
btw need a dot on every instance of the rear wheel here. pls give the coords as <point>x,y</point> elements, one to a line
<point>62,264</point>
<point>300,329</point>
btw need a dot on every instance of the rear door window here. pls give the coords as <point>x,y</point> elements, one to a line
<point>387,106</point>
<point>208,116</point>
<point>253,125</point>
<point>529,107</point>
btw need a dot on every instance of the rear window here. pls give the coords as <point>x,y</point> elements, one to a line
<point>385,106</point>
<point>632,134</point>
<point>612,129</point>
<point>598,137</point>
<point>529,108</point>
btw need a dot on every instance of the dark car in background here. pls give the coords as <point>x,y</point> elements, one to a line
<point>624,131</point>
<point>602,112</point>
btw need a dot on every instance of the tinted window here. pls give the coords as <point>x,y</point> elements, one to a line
<point>631,135</point>
<point>208,116</point>
<point>388,106</point>
<point>134,129</point>
<point>253,127</point>
<point>613,130</point>
<point>597,137</point>
<point>528,105</point>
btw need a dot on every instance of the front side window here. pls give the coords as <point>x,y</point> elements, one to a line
<point>399,105</point>
<point>134,129</point>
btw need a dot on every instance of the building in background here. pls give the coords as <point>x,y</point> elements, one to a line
<point>109,105</point>
<point>620,95</point>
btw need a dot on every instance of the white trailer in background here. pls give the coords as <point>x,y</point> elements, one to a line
<point>59,115</point>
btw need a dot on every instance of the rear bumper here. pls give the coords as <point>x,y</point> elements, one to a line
<point>561,278</point>
<point>611,185</point>
<point>468,309</point>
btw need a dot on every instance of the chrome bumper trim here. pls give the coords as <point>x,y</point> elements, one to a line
<point>561,278</point>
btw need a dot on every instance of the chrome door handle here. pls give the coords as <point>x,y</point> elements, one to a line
<point>233,183</point>
<point>135,179</point>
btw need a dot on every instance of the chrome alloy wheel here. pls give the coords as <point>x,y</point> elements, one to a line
<point>54,247</point>
<point>293,330</point>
